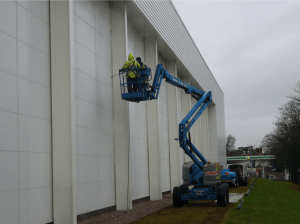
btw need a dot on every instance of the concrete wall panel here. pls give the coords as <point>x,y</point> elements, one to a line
<point>205,135</point>
<point>154,135</point>
<point>164,131</point>
<point>173,128</point>
<point>180,117</point>
<point>186,104</point>
<point>138,127</point>
<point>121,108</point>
<point>95,137</point>
<point>197,133</point>
<point>25,113</point>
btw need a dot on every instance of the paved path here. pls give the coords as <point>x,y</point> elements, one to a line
<point>234,197</point>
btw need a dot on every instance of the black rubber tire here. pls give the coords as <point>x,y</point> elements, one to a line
<point>177,197</point>
<point>227,184</point>
<point>222,201</point>
<point>242,183</point>
<point>184,189</point>
<point>227,193</point>
<point>222,192</point>
<point>237,183</point>
<point>227,196</point>
<point>246,182</point>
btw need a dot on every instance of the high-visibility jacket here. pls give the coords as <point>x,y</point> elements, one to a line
<point>143,66</point>
<point>131,63</point>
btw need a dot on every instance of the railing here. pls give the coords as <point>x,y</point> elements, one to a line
<point>136,89</point>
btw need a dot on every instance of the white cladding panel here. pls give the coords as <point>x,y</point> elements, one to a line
<point>212,128</point>
<point>94,123</point>
<point>25,113</point>
<point>197,133</point>
<point>139,171</point>
<point>205,135</point>
<point>179,119</point>
<point>164,131</point>
<point>171,30</point>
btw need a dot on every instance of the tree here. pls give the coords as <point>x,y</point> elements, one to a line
<point>288,137</point>
<point>296,97</point>
<point>230,143</point>
<point>271,143</point>
<point>268,141</point>
<point>284,142</point>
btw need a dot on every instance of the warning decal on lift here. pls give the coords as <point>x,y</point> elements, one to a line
<point>212,173</point>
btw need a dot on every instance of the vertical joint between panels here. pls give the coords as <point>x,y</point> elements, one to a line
<point>18,119</point>
<point>51,107</point>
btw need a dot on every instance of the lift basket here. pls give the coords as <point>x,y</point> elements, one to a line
<point>139,87</point>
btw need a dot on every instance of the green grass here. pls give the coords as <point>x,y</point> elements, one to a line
<point>269,202</point>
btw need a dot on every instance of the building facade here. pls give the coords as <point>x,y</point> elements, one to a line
<point>69,144</point>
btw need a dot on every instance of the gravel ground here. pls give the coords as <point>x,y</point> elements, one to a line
<point>145,208</point>
<point>138,211</point>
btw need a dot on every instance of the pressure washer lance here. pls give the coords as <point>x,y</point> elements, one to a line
<point>240,205</point>
<point>114,76</point>
<point>248,192</point>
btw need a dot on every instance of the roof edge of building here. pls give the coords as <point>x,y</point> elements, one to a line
<point>195,45</point>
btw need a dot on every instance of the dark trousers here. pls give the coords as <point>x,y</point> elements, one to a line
<point>132,87</point>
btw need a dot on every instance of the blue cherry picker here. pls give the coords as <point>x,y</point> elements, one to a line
<point>205,177</point>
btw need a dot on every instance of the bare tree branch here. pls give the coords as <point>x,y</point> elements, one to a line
<point>230,144</point>
<point>284,141</point>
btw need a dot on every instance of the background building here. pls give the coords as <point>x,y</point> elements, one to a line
<point>68,144</point>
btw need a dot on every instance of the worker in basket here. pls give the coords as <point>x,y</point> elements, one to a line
<point>132,79</point>
<point>139,60</point>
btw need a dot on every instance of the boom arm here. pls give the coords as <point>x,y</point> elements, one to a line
<point>203,98</point>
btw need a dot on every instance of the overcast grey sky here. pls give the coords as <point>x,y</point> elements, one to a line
<point>253,50</point>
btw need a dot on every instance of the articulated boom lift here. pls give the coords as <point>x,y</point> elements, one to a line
<point>203,175</point>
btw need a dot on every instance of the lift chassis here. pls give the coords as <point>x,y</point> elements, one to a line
<point>201,179</point>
